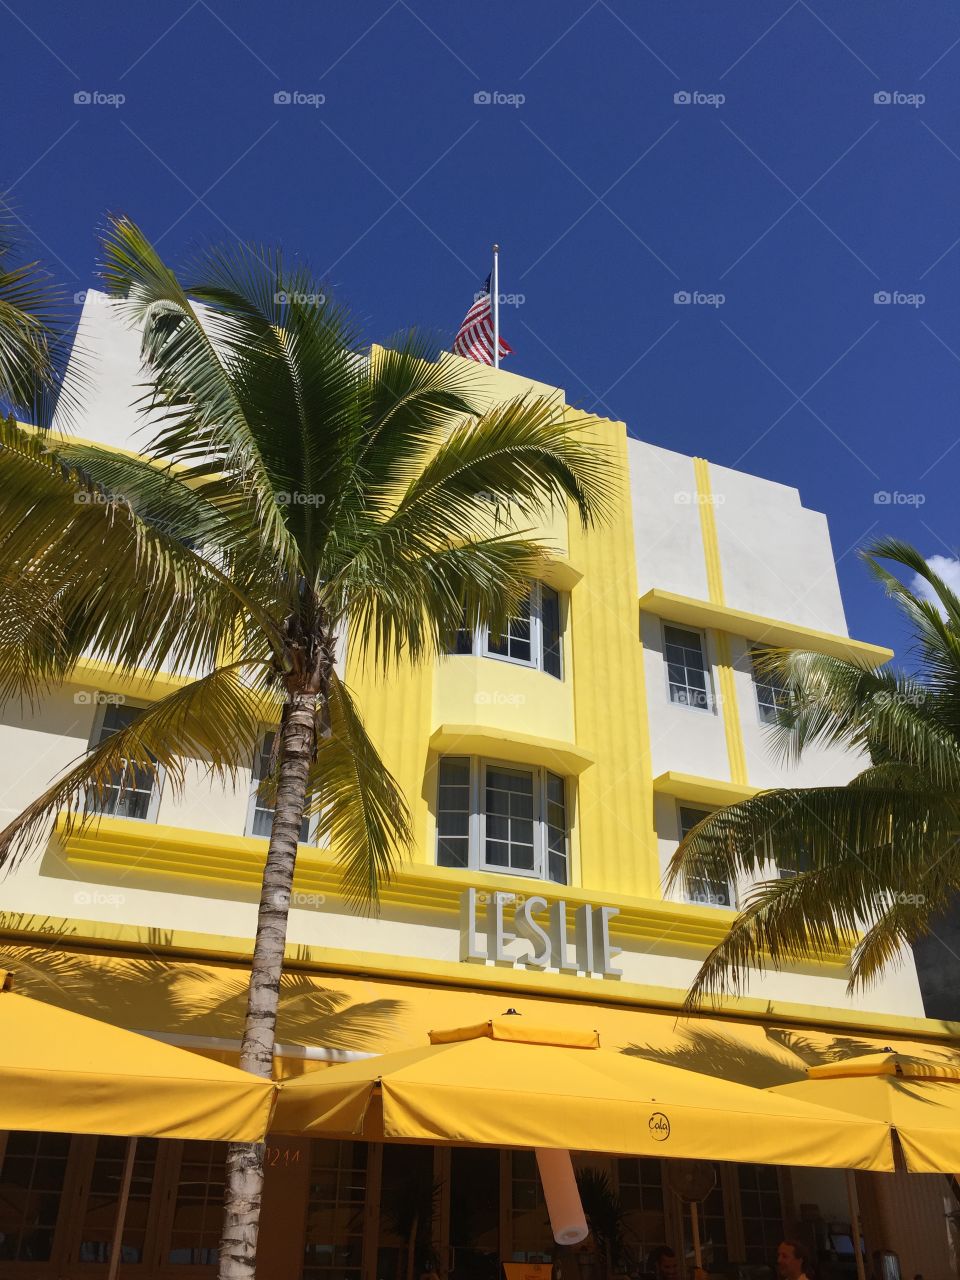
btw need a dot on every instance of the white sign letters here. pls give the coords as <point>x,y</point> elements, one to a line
<point>508,917</point>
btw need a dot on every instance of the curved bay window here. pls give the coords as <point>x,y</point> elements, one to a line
<point>533,637</point>
<point>494,816</point>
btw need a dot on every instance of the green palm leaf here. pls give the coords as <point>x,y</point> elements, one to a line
<point>875,860</point>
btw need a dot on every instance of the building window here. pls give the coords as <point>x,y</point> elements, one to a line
<point>34,1166</point>
<point>762,1211</point>
<point>502,817</point>
<point>530,1228</point>
<point>686,668</point>
<point>712,1217</point>
<point>259,810</point>
<point>702,889</point>
<point>532,638</point>
<point>333,1248</point>
<point>100,1212</point>
<point>198,1210</point>
<point>133,792</point>
<point>640,1188</point>
<point>772,697</point>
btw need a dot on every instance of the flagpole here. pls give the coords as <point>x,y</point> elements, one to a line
<point>495,289</point>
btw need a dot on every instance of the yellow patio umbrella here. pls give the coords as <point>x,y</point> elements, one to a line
<point>917,1098</point>
<point>506,1084</point>
<point>62,1072</point>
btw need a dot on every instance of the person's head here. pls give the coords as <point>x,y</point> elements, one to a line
<point>791,1260</point>
<point>663,1263</point>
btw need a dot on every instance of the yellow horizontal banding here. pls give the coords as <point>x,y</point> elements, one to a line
<point>159,853</point>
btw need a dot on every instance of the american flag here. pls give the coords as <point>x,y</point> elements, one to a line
<point>475,336</point>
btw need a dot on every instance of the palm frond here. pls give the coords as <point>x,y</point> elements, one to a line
<point>111,583</point>
<point>360,808</point>
<point>31,320</point>
<point>525,453</point>
<point>892,835</point>
<point>199,412</point>
<point>405,600</point>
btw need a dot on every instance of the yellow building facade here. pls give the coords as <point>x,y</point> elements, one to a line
<point>550,774</point>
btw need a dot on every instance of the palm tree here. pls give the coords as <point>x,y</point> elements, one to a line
<point>30,337</point>
<point>879,857</point>
<point>293,489</point>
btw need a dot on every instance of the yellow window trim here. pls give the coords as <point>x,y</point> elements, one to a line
<point>689,611</point>
<point>518,748</point>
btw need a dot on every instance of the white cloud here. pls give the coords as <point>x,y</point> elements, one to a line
<point>947,568</point>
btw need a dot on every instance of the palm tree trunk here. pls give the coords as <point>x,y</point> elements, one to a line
<point>244,1172</point>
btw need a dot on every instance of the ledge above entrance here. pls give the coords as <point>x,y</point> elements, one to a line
<point>518,748</point>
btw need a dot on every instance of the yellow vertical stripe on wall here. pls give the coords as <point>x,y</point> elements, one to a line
<point>732,728</point>
<point>617,839</point>
<point>397,709</point>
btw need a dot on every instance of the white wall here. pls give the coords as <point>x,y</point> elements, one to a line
<point>666,521</point>
<point>775,555</point>
<point>106,376</point>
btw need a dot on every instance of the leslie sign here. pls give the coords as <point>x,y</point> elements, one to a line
<point>490,922</point>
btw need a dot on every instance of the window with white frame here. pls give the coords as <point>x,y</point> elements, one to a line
<point>686,668</point>
<point>502,817</point>
<point>702,889</point>
<point>772,697</point>
<point>531,638</point>
<point>133,792</point>
<point>260,810</point>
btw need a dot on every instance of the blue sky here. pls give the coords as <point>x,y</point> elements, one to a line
<point>783,185</point>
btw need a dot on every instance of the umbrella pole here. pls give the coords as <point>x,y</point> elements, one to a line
<point>855,1227</point>
<point>695,1233</point>
<point>125,1183</point>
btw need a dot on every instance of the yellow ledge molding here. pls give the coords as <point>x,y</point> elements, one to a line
<point>710,791</point>
<point>93,676</point>
<point>157,856</point>
<point>503,744</point>
<point>769,631</point>
<point>97,937</point>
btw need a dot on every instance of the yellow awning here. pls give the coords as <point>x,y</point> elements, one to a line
<point>507,1083</point>
<point>67,1073</point>
<point>918,1097</point>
